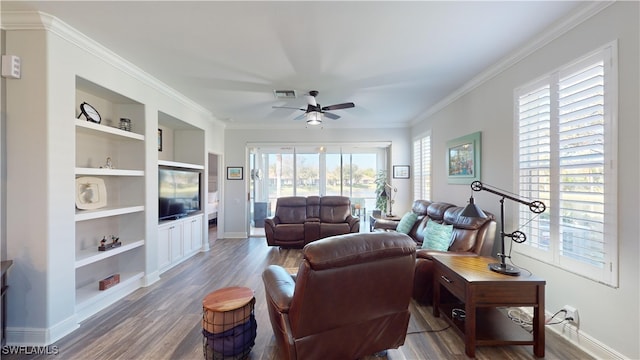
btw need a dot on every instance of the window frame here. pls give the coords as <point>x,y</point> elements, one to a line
<point>608,274</point>
<point>420,174</point>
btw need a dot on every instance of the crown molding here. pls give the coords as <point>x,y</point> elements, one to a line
<point>581,15</point>
<point>36,20</point>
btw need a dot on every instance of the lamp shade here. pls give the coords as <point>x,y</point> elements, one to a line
<point>472,210</point>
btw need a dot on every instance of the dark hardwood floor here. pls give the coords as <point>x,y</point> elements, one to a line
<point>163,321</point>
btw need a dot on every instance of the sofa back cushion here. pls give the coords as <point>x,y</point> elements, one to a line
<point>334,209</point>
<point>420,208</point>
<point>313,207</point>
<point>291,209</point>
<point>435,212</point>
<point>467,230</point>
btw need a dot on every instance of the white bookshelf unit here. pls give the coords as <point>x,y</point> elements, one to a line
<point>123,214</point>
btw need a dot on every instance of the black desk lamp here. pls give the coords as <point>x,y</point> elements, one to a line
<point>472,210</point>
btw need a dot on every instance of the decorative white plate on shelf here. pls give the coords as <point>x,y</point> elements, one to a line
<point>90,193</point>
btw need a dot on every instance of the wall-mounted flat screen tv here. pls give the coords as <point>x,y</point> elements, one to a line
<point>179,192</point>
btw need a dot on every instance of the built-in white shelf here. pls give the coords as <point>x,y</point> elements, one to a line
<point>106,212</point>
<point>108,172</point>
<point>103,130</point>
<point>180,164</point>
<point>87,257</point>
<point>89,299</point>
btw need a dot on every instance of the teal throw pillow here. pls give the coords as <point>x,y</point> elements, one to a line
<point>437,236</point>
<point>406,223</point>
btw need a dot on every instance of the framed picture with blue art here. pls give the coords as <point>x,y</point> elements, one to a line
<point>463,159</point>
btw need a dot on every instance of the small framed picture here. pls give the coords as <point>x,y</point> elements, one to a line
<point>401,171</point>
<point>159,139</point>
<point>234,173</point>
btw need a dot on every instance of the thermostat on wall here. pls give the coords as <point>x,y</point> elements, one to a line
<point>11,66</point>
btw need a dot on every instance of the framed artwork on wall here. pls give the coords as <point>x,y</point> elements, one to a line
<point>234,173</point>
<point>463,159</point>
<point>401,171</point>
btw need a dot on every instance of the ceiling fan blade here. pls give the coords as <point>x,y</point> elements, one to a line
<point>339,106</point>
<point>287,107</point>
<point>300,117</point>
<point>331,115</point>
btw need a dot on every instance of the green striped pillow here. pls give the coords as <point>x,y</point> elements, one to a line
<point>437,236</point>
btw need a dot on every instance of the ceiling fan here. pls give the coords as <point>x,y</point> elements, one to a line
<point>314,112</point>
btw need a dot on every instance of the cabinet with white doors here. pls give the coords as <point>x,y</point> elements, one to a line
<point>178,240</point>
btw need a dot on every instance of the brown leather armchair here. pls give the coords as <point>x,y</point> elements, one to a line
<point>349,299</point>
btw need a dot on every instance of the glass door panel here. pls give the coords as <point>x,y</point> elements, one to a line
<point>307,171</point>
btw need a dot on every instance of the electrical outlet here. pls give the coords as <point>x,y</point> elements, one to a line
<point>571,313</point>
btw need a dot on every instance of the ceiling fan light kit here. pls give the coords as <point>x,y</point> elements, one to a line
<point>314,118</point>
<point>314,112</point>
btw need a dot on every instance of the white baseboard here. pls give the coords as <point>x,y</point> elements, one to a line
<point>235,235</point>
<point>41,336</point>
<point>151,278</point>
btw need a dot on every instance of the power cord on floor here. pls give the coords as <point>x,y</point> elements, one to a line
<point>526,321</point>
<point>428,331</point>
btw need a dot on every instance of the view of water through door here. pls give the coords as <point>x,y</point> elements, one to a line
<point>278,171</point>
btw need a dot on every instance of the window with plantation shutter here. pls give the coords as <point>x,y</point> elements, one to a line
<point>422,168</point>
<point>566,158</point>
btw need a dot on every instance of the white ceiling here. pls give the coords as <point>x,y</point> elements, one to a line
<point>394,60</point>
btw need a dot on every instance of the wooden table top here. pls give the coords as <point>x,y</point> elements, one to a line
<point>476,269</point>
<point>227,299</point>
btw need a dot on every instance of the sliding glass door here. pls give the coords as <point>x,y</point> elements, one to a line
<point>305,170</point>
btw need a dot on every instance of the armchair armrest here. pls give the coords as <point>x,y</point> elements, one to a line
<point>279,286</point>
<point>385,224</point>
<point>354,223</point>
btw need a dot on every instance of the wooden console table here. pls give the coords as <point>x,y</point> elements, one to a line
<point>465,282</point>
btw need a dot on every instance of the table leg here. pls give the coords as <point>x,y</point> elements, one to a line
<point>470,323</point>
<point>538,324</point>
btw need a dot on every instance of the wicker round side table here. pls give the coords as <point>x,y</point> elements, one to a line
<point>228,323</point>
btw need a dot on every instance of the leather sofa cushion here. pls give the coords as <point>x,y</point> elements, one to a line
<point>289,232</point>
<point>329,229</point>
<point>420,208</point>
<point>334,209</point>
<point>436,211</point>
<point>313,207</point>
<point>465,229</point>
<point>291,210</point>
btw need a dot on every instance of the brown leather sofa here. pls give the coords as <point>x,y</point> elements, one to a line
<point>349,299</point>
<point>299,220</point>
<point>471,237</point>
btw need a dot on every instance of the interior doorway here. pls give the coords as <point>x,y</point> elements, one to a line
<point>213,205</point>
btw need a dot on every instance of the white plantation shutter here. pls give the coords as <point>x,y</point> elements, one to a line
<point>535,162</point>
<point>566,152</point>
<point>422,168</point>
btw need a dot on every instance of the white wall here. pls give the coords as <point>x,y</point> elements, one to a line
<point>608,316</point>
<point>236,200</point>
